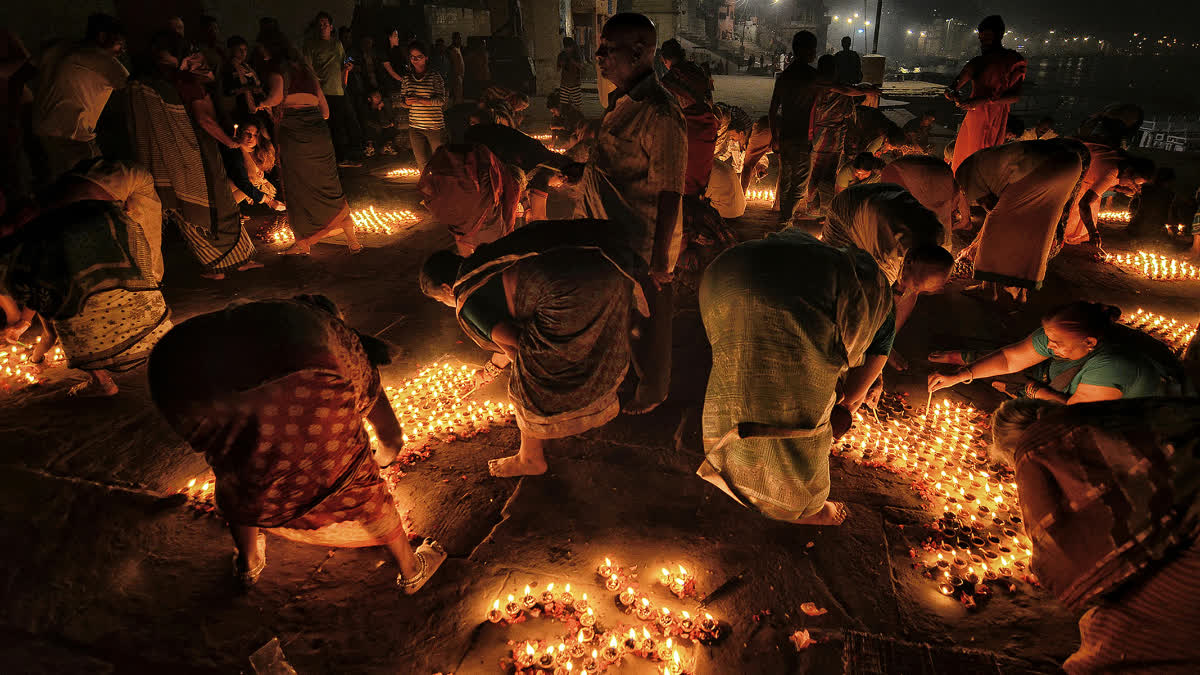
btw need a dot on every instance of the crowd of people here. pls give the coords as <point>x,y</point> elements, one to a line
<point>801,323</point>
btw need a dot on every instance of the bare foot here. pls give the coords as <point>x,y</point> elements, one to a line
<point>637,406</point>
<point>832,513</point>
<point>953,358</point>
<point>13,333</point>
<point>297,249</point>
<point>511,467</point>
<point>215,276</point>
<point>93,388</point>
<point>249,265</point>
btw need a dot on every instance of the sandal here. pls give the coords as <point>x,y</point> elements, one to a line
<point>431,555</point>
<point>249,577</point>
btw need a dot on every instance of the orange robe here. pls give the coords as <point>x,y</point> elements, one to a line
<point>991,75</point>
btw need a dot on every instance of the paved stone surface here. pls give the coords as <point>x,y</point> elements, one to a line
<point>107,572</point>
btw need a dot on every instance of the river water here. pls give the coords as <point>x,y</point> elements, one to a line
<point>1070,88</point>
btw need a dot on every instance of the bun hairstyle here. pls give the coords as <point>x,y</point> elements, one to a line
<point>1085,319</point>
<point>1011,420</point>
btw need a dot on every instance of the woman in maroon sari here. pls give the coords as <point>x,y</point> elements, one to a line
<point>1110,494</point>
<point>995,77</point>
<point>275,393</point>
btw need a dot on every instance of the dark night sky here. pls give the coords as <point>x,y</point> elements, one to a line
<point>1109,18</point>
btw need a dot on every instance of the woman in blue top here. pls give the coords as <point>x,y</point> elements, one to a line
<point>1079,355</point>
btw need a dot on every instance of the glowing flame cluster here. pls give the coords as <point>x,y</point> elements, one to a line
<point>1114,216</point>
<point>278,234</point>
<point>658,638</point>
<point>15,369</point>
<point>434,405</point>
<point>373,221</point>
<point>981,536</point>
<point>404,172</point>
<point>1154,266</point>
<point>200,490</point>
<point>1178,229</point>
<point>542,137</point>
<point>1177,334</point>
<point>760,195</point>
<point>677,583</point>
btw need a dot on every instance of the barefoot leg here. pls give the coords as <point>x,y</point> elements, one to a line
<point>104,382</point>
<point>49,339</point>
<point>530,460</point>
<point>341,221</point>
<point>352,241</point>
<point>245,538</point>
<point>831,513</point>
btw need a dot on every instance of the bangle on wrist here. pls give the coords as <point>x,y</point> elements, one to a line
<point>970,375</point>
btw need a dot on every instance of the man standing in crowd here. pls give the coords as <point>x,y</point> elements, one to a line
<point>791,119</point>
<point>634,176</point>
<point>75,82</point>
<point>328,59</point>
<point>848,64</point>
<point>458,68</point>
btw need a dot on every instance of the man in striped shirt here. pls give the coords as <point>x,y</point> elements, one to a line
<point>634,177</point>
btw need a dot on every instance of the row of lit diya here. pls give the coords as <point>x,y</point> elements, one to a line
<point>434,405</point>
<point>657,639</point>
<point>369,220</point>
<point>17,371</point>
<point>978,536</point>
<point>374,221</point>
<point>760,196</point>
<point>404,172</point>
<point>1109,217</point>
<point>1175,333</point>
<point>1154,266</point>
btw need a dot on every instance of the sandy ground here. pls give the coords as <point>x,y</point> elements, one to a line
<point>106,571</point>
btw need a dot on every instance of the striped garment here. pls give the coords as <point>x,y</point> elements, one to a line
<point>432,86</point>
<point>165,141</point>
<point>572,96</point>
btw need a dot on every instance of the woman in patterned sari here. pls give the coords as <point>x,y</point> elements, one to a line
<point>553,298</point>
<point>1110,493</point>
<point>275,393</point>
<point>176,137</point>
<point>86,266</point>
